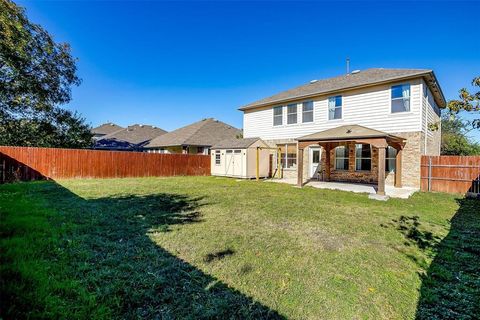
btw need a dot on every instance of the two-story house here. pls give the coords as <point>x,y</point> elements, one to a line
<point>368,126</point>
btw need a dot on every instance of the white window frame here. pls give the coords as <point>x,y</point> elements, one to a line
<point>390,158</point>
<point>362,158</point>
<point>401,98</point>
<point>286,158</point>
<point>335,107</point>
<point>309,111</point>
<point>218,158</point>
<point>278,116</point>
<point>342,158</point>
<point>292,105</point>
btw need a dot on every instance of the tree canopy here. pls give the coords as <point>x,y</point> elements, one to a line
<point>36,77</point>
<point>454,138</point>
<point>467,101</point>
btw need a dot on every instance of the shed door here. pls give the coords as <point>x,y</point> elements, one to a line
<point>238,162</point>
<point>228,162</point>
<point>233,162</point>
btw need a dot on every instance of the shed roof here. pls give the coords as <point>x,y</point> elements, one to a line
<point>350,81</point>
<point>206,132</point>
<point>347,132</point>
<point>235,143</point>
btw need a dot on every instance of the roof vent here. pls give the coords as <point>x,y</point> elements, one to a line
<point>355,71</point>
<point>313,81</point>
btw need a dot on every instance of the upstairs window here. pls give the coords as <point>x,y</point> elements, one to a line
<point>335,108</point>
<point>292,113</point>
<point>278,116</point>
<point>307,111</point>
<point>341,158</point>
<point>391,154</point>
<point>401,98</point>
<point>363,157</point>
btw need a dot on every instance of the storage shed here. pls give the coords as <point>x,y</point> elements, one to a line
<point>238,158</point>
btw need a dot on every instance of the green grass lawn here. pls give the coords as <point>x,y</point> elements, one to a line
<point>206,247</point>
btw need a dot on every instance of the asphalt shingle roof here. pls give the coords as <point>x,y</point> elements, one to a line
<point>106,128</point>
<point>235,143</point>
<point>346,132</point>
<point>133,136</point>
<point>349,81</point>
<point>206,132</point>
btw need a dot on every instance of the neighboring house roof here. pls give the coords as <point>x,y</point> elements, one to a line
<point>106,128</point>
<point>131,137</point>
<point>206,132</point>
<point>363,78</point>
<point>347,132</point>
<point>235,143</point>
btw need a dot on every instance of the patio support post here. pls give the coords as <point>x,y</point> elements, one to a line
<point>381,171</point>
<point>327,162</point>
<point>398,168</point>
<point>299,166</point>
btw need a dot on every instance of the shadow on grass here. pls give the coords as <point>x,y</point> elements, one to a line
<point>450,286</point>
<point>111,255</point>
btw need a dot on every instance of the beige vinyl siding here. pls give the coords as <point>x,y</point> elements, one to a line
<point>370,107</point>
<point>264,160</point>
<point>431,115</point>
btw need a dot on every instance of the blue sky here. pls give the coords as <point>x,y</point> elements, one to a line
<point>172,63</point>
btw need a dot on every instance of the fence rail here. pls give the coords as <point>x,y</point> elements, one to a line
<point>452,174</point>
<point>28,163</point>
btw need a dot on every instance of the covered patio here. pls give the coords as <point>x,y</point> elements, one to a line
<point>358,136</point>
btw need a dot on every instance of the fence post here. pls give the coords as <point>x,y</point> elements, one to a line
<point>429,174</point>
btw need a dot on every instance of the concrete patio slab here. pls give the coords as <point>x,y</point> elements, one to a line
<point>390,191</point>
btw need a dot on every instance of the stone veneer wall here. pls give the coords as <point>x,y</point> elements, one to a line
<point>412,153</point>
<point>411,162</point>
<point>434,142</point>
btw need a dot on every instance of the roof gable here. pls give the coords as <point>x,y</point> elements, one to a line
<point>346,132</point>
<point>206,132</point>
<point>106,128</point>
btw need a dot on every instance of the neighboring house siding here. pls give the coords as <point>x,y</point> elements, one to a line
<point>369,107</point>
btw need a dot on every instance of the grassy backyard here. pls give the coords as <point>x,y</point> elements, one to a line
<point>208,247</point>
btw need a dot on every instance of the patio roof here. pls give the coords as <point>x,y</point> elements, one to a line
<point>348,132</point>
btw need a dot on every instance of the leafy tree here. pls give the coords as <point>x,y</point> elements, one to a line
<point>36,76</point>
<point>467,101</point>
<point>454,137</point>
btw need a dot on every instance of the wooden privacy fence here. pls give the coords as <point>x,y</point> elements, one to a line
<point>453,174</point>
<point>27,163</point>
